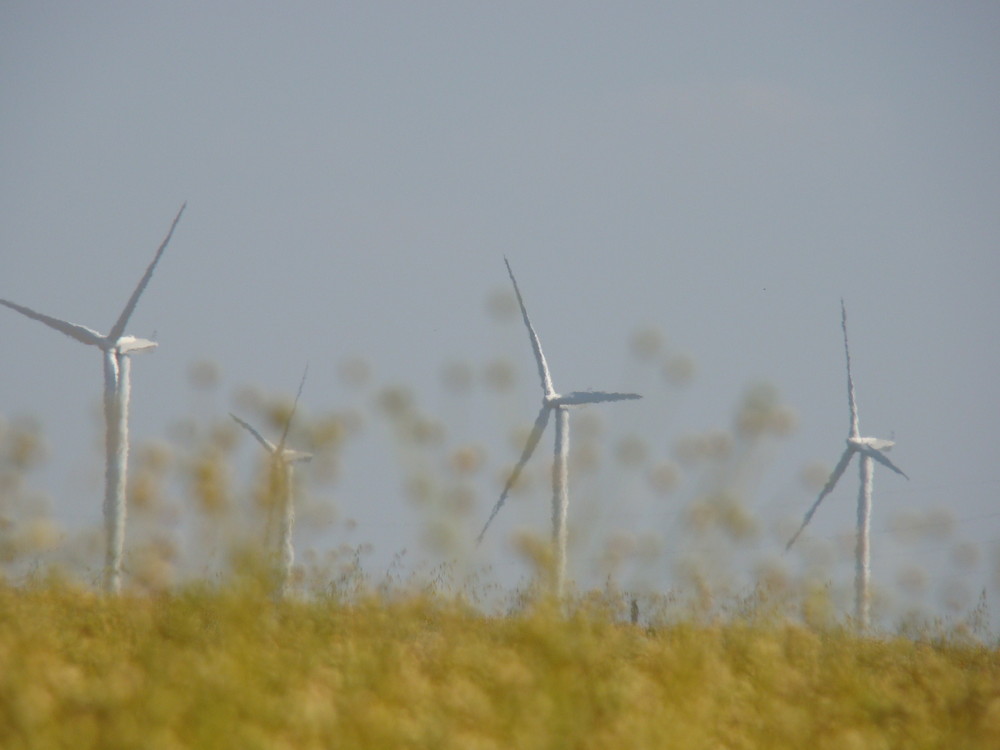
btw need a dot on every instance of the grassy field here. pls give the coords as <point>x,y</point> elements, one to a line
<point>743,650</point>
<point>228,667</point>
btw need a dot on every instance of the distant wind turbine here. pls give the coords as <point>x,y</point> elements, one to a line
<point>551,401</point>
<point>117,386</point>
<point>282,461</point>
<point>871,449</point>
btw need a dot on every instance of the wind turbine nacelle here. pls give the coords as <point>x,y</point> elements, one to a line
<point>131,345</point>
<point>580,398</point>
<point>878,444</point>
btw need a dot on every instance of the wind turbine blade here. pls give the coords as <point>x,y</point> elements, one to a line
<point>80,333</point>
<point>593,397</point>
<point>882,459</point>
<point>268,445</point>
<point>119,327</point>
<point>529,448</point>
<point>838,471</point>
<point>855,429</point>
<point>543,368</point>
<point>295,405</point>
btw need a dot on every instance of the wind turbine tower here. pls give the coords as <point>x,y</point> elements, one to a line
<point>283,460</point>
<point>871,450</point>
<point>117,349</point>
<point>560,405</point>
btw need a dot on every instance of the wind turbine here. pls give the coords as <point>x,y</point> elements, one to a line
<point>117,349</point>
<point>560,404</point>
<point>871,449</point>
<point>282,462</point>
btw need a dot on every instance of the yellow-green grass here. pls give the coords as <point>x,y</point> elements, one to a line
<point>228,667</point>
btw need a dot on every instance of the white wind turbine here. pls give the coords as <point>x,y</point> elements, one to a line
<point>871,449</point>
<point>559,403</point>
<point>282,461</point>
<point>117,349</point>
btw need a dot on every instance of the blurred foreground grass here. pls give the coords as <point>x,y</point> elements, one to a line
<point>736,647</point>
<point>227,667</point>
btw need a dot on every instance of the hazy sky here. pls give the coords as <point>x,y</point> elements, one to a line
<point>355,172</point>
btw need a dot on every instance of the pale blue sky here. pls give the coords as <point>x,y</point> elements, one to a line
<point>354,173</point>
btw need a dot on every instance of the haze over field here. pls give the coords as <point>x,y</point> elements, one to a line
<point>355,174</point>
